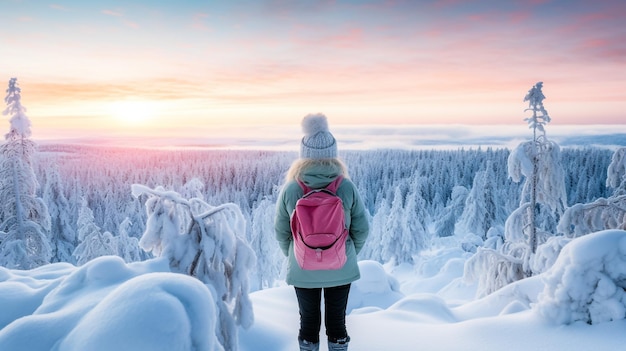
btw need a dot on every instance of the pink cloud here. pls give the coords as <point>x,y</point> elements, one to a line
<point>497,17</point>
<point>603,48</point>
<point>592,22</point>
<point>519,16</point>
<point>597,35</point>
<point>594,43</point>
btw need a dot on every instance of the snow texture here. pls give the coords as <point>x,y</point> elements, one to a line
<point>105,305</point>
<point>550,175</point>
<point>587,281</point>
<point>108,304</point>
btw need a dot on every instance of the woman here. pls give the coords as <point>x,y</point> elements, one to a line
<point>317,167</point>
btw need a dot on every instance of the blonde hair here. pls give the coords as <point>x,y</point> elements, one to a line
<point>300,165</point>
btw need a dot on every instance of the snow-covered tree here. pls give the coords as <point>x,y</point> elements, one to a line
<point>445,225</point>
<point>543,199</point>
<point>372,248</point>
<point>393,232</point>
<point>269,257</point>
<point>24,218</point>
<point>127,246</point>
<point>492,269</point>
<point>104,175</point>
<point>403,236</point>
<point>616,174</point>
<point>479,213</point>
<point>62,230</point>
<point>136,216</point>
<point>206,242</point>
<point>416,213</point>
<point>603,213</point>
<point>539,162</point>
<point>193,188</point>
<point>93,242</point>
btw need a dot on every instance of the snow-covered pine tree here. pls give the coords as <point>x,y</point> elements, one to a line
<point>127,246</point>
<point>539,161</point>
<point>416,214</point>
<point>136,215</point>
<point>479,213</point>
<point>403,235</point>
<point>110,207</point>
<point>62,231</point>
<point>616,173</point>
<point>93,242</point>
<point>269,257</point>
<point>193,188</point>
<point>391,248</point>
<point>372,250</point>
<point>543,196</point>
<point>445,225</point>
<point>24,218</point>
<point>205,242</point>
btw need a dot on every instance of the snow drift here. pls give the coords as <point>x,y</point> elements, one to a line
<point>105,305</point>
<point>111,305</point>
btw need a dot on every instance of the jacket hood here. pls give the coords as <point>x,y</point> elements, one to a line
<point>319,176</point>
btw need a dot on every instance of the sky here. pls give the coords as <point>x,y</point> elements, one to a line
<point>203,69</point>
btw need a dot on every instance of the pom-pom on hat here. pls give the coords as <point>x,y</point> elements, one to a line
<point>317,142</point>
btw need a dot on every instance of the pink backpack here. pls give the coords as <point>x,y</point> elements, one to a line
<point>318,228</point>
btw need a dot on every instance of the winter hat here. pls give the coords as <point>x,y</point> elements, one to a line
<point>317,141</point>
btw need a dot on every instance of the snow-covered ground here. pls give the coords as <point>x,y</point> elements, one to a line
<point>107,304</point>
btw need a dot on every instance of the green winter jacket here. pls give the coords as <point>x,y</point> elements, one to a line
<point>356,220</point>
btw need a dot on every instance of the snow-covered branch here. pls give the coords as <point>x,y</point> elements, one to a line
<point>208,245</point>
<point>581,219</point>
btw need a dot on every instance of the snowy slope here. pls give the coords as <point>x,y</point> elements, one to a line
<point>110,305</point>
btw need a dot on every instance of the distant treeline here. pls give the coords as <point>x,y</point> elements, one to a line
<point>103,177</point>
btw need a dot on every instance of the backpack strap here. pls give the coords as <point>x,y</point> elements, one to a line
<point>305,189</point>
<point>332,187</point>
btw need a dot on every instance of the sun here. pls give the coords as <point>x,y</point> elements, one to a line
<point>133,112</point>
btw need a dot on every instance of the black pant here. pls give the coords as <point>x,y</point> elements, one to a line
<point>335,302</point>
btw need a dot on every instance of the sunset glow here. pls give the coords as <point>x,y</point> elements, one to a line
<point>134,112</point>
<point>158,68</point>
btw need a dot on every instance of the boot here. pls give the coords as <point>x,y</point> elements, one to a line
<point>308,346</point>
<point>339,344</point>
